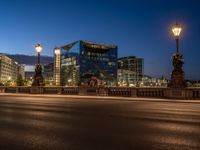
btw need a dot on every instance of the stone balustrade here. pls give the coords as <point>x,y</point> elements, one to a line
<point>169,93</point>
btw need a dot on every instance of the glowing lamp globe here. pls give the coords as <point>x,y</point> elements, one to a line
<point>38,48</point>
<point>176,30</point>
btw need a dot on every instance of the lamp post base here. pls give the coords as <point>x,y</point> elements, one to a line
<point>178,75</point>
<point>177,80</point>
<point>38,78</point>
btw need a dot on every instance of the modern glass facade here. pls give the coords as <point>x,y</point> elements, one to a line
<point>48,73</point>
<point>130,70</point>
<point>81,60</point>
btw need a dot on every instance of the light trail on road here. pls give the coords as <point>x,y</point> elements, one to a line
<point>79,124</point>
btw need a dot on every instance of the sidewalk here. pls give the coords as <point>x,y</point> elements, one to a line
<point>100,97</point>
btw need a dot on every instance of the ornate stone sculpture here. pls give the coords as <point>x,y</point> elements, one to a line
<point>93,82</point>
<point>38,78</point>
<point>178,75</point>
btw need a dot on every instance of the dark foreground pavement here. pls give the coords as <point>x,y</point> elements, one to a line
<point>41,123</point>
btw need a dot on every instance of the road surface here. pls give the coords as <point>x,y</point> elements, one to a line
<point>50,123</point>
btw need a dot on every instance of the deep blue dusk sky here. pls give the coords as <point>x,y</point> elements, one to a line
<point>138,27</point>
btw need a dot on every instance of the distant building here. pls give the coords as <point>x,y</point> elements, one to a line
<point>80,61</point>
<point>29,75</point>
<point>29,72</point>
<point>130,71</point>
<point>21,71</point>
<point>193,83</point>
<point>48,73</point>
<point>148,81</point>
<point>9,70</point>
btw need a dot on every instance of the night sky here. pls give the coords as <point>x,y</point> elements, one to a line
<point>141,28</point>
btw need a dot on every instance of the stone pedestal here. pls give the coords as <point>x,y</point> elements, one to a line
<point>102,91</point>
<point>38,78</point>
<point>2,89</point>
<point>178,75</point>
<point>176,94</point>
<point>59,90</point>
<point>86,90</point>
<point>133,92</point>
<point>37,90</point>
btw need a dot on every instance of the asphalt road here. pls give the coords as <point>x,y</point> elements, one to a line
<point>41,123</point>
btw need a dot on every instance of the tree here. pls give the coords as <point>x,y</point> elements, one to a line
<point>8,83</point>
<point>20,81</point>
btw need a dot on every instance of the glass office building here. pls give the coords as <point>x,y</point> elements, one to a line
<point>81,60</point>
<point>130,71</point>
<point>48,74</point>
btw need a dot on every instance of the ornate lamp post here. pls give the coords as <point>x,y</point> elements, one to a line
<point>38,78</point>
<point>178,75</point>
<point>177,31</point>
<point>38,48</point>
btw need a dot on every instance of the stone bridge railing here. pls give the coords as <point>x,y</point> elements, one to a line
<point>186,93</point>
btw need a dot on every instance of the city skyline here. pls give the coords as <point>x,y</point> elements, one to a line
<point>128,24</point>
<point>99,74</point>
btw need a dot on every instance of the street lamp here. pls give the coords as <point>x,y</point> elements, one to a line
<point>38,48</point>
<point>38,78</point>
<point>178,75</point>
<point>176,31</point>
